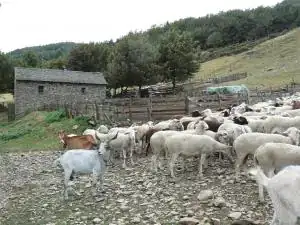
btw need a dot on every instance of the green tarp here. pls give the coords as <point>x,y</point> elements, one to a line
<point>228,89</point>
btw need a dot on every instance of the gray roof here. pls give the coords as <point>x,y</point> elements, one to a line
<point>54,75</point>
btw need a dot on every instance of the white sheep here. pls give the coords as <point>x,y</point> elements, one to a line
<point>228,132</point>
<point>201,128</point>
<point>98,136</point>
<point>284,191</point>
<point>126,130</point>
<point>291,113</point>
<point>278,124</point>
<point>173,124</point>
<point>246,144</point>
<point>141,133</point>
<point>83,161</point>
<point>255,123</point>
<point>192,125</point>
<point>91,132</point>
<point>193,145</point>
<point>124,142</point>
<point>275,156</point>
<point>157,143</point>
<point>103,129</point>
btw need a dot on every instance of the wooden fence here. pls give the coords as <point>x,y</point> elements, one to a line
<point>160,108</point>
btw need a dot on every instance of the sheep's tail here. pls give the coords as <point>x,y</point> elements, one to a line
<point>259,175</point>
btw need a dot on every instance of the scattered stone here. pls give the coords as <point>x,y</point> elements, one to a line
<point>244,222</point>
<point>205,195</point>
<point>135,196</point>
<point>190,213</point>
<point>100,199</point>
<point>84,218</point>
<point>96,221</point>
<point>124,208</point>
<point>188,221</point>
<point>235,215</point>
<point>216,221</point>
<point>185,197</point>
<point>136,220</point>
<point>88,185</point>
<point>219,202</point>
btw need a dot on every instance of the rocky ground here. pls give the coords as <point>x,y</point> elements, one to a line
<point>31,193</point>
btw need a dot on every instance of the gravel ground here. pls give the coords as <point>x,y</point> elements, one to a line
<point>31,193</point>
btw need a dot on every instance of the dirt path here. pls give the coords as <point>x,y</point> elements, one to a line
<point>31,193</point>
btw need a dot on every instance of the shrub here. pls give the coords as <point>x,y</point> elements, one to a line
<point>55,116</point>
<point>14,134</point>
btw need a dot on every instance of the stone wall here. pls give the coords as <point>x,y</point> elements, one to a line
<point>27,96</point>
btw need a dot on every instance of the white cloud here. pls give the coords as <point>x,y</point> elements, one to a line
<point>35,22</point>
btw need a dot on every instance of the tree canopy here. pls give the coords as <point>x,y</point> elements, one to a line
<point>6,73</point>
<point>171,52</point>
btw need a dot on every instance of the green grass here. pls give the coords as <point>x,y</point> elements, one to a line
<point>38,131</point>
<point>271,64</point>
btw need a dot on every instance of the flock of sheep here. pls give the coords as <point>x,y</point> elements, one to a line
<point>269,131</point>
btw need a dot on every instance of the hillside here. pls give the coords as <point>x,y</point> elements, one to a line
<point>45,52</point>
<point>40,128</point>
<point>272,63</point>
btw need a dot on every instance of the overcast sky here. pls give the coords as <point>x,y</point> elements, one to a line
<point>26,23</point>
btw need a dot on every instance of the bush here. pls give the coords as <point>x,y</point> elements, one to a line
<point>14,135</point>
<point>55,116</point>
<point>80,119</point>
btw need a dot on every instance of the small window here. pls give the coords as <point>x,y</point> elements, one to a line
<point>41,89</point>
<point>82,90</point>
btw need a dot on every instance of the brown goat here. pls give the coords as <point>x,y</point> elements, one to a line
<point>77,142</point>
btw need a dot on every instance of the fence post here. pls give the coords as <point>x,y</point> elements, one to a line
<point>117,112</point>
<point>186,105</point>
<point>130,106</point>
<point>86,108</point>
<point>149,108</point>
<point>109,112</point>
<point>97,111</point>
<point>247,98</point>
<point>11,111</point>
<point>271,93</point>
<point>219,100</point>
<point>101,117</point>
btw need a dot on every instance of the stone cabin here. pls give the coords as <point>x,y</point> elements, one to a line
<point>35,87</point>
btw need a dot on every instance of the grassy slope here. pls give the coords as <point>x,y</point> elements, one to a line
<point>273,63</point>
<point>33,133</point>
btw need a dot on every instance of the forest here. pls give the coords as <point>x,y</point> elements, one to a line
<point>172,52</point>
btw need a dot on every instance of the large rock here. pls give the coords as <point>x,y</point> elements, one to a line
<point>235,215</point>
<point>219,202</point>
<point>205,195</point>
<point>188,221</point>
